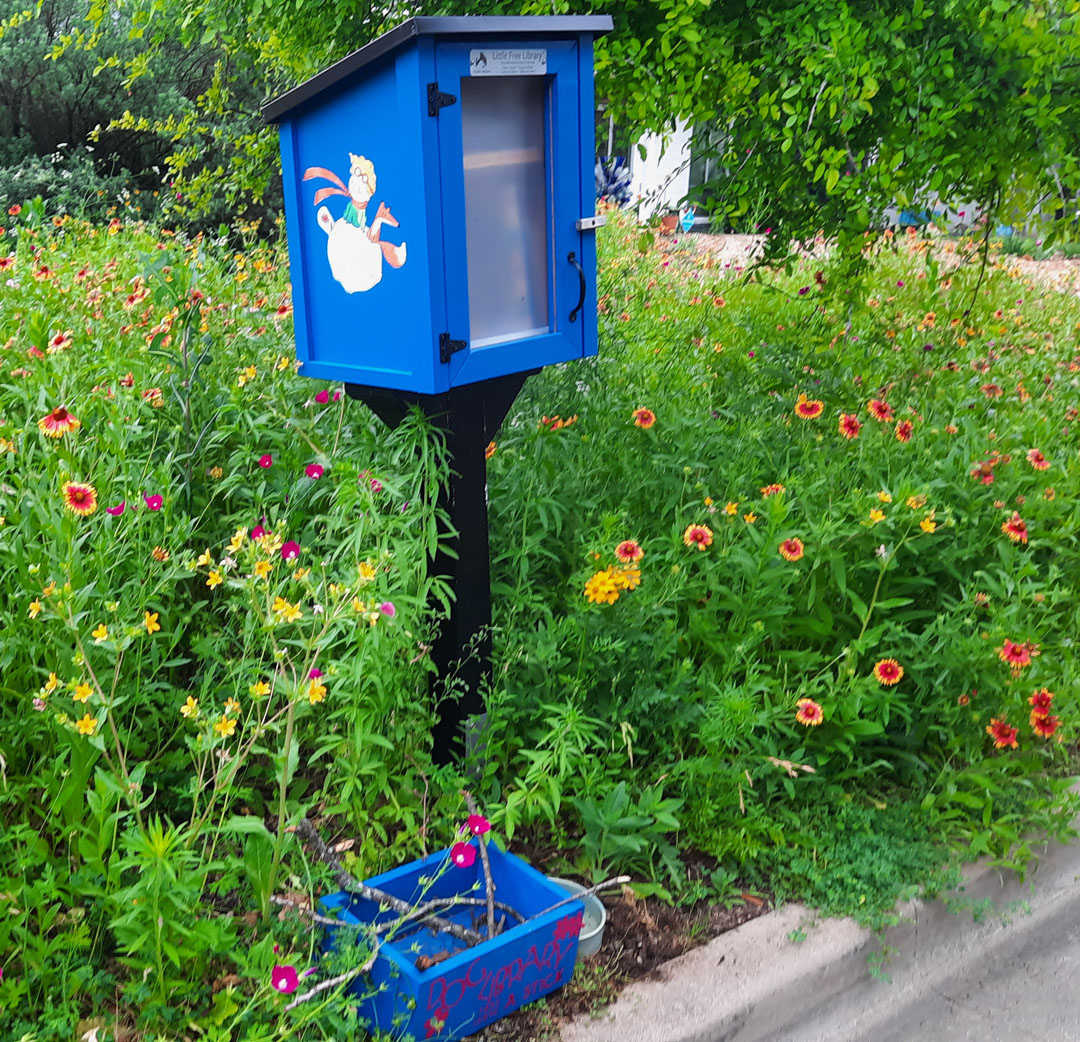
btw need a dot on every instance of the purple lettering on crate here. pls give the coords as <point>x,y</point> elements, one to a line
<point>493,989</point>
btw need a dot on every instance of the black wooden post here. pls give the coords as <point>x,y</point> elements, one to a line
<point>471,416</point>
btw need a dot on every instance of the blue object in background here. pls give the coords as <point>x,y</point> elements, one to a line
<point>439,202</point>
<point>687,219</point>
<point>474,986</point>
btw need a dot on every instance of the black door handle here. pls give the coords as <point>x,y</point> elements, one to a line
<point>572,258</point>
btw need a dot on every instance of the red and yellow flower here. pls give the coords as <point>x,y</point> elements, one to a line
<point>629,551</point>
<point>1016,529</point>
<point>849,425</point>
<point>904,429</point>
<point>880,410</point>
<point>80,498</point>
<point>1002,733</point>
<point>58,423</point>
<point>1044,726</point>
<point>888,672</point>
<point>792,549</point>
<point>643,418</point>
<point>808,712</point>
<point>1017,656</point>
<point>1038,460</point>
<point>808,408</point>
<point>1040,701</point>
<point>698,535</point>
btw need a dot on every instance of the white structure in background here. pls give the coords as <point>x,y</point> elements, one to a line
<point>661,180</point>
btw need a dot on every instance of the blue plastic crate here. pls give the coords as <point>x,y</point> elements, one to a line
<point>474,986</point>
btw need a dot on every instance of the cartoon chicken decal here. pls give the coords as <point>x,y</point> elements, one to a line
<point>354,247</point>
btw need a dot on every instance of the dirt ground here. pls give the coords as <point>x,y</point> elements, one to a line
<point>739,251</point>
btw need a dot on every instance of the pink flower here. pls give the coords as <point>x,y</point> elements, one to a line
<point>388,609</point>
<point>323,396</point>
<point>462,854</point>
<point>315,672</point>
<point>313,470</point>
<point>284,979</point>
<point>258,532</point>
<point>117,510</point>
<point>478,824</point>
<point>376,485</point>
<point>153,502</point>
<point>290,550</point>
<point>266,460</point>
<point>337,395</point>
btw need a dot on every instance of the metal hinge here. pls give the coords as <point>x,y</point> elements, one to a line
<point>436,99</point>
<point>448,347</point>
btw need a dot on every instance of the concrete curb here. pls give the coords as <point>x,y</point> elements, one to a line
<point>754,984</point>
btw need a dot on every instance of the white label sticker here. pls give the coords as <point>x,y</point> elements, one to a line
<point>501,62</point>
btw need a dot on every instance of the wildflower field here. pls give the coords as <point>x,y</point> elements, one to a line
<point>784,589</point>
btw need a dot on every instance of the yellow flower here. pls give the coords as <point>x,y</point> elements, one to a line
<point>301,573</point>
<point>237,540</point>
<point>316,691</point>
<point>101,633</point>
<point>373,617</point>
<point>915,502</point>
<point>359,605</point>
<point>159,554</point>
<point>87,725</point>
<point>259,690</point>
<point>732,508</point>
<point>231,706</point>
<point>248,374</point>
<point>602,587</point>
<point>49,590</point>
<point>51,684</point>
<point>750,518</point>
<point>708,501</point>
<point>214,579</point>
<point>82,692</point>
<point>367,571</point>
<point>35,608</point>
<point>280,604</point>
<point>150,621</point>
<point>190,709</point>
<point>884,497</point>
<point>216,473</point>
<point>928,524</point>
<point>877,515</point>
<point>225,727</point>
<point>262,569</point>
<point>205,557</point>
<point>292,612</point>
<point>282,364</point>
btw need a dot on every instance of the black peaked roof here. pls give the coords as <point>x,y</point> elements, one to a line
<point>464,25</point>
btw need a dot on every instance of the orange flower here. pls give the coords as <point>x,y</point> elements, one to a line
<point>1015,529</point>
<point>849,425</point>
<point>1002,733</point>
<point>880,410</point>
<point>79,498</point>
<point>808,408</point>
<point>791,549</point>
<point>888,672</point>
<point>628,551</point>
<point>698,535</point>
<point>1038,460</point>
<point>490,450</point>
<point>644,418</point>
<point>808,712</point>
<point>772,490</point>
<point>58,423</point>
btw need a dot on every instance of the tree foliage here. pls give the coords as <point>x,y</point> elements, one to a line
<point>833,113</point>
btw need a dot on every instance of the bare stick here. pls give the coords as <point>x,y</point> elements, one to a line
<point>446,902</point>
<point>325,920</point>
<point>333,982</point>
<point>347,882</point>
<point>614,881</point>
<point>471,804</point>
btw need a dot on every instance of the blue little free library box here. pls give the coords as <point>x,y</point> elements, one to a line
<point>467,987</point>
<point>440,200</point>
